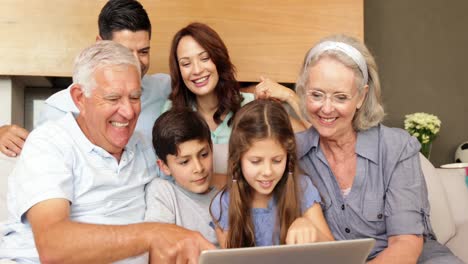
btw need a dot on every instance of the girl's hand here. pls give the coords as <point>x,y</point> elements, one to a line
<point>302,231</point>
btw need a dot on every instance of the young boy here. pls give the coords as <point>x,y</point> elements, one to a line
<point>183,145</point>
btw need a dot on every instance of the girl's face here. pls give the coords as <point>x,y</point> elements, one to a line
<point>198,71</point>
<point>332,98</point>
<point>263,165</point>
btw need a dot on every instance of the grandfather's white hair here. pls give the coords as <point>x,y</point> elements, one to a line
<point>102,53</point>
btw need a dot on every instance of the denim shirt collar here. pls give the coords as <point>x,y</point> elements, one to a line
<point>306,141</point>
<point>367,143</point>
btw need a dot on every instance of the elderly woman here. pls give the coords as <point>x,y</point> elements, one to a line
<point>368,174</point>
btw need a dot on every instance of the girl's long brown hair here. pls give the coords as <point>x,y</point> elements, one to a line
<point>227,90</point>
<point>257,120</point>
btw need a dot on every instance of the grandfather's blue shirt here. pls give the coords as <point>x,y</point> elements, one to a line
<point>389,194</point>
<point>59,161</point>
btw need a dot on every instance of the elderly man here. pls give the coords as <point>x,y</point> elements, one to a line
<point>77,192</point>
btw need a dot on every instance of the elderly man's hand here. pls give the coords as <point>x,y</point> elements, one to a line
<point>174,244</point>
<point>12,138</point>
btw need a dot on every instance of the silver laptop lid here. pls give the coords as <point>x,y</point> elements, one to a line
<point>344,251</point>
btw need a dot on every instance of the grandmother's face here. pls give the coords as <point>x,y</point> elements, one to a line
<point>332,98</point>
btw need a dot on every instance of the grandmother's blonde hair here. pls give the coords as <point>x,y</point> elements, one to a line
<point>371,112</point>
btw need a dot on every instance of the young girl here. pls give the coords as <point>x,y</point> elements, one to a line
<point>266,202</point>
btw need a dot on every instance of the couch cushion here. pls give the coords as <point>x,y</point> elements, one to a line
<point>457,193</point>
<point>458,243</point>
<point>440,215</point>
<point>6,166</point>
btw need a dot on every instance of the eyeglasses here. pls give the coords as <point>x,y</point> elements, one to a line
<point>316,96</point>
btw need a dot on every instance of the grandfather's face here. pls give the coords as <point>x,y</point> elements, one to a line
<point>332,98</point>
<point>108,117</point>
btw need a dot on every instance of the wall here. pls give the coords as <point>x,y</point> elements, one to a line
<point>421,47</point>
<point>11,101</point>
<point>42,37</point>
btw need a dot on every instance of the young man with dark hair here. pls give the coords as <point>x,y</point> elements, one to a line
<point>125,22</point>
<point>122,15</point>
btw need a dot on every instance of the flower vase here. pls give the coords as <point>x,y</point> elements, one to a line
<point>426,149</point>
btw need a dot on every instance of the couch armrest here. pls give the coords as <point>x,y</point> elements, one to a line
<point>440,214</point>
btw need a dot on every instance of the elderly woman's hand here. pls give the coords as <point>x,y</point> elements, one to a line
<point>268,88</point>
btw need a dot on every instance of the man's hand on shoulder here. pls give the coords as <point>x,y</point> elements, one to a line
<point>12,139</point>
<point>173,244</point>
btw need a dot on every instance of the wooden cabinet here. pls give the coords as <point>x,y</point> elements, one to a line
<point>268,37</point>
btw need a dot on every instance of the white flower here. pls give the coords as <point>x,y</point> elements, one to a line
<point>423,126</point>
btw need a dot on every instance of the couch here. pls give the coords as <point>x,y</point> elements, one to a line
<point>448,196</point>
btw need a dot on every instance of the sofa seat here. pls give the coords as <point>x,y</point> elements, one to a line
<point>448,198</point>
<point>459,242</point>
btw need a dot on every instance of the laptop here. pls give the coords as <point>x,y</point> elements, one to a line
<point>344,251</point>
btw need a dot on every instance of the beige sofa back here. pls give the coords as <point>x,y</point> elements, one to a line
<point>6,166</point>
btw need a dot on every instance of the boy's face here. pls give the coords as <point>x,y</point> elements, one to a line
<point>192,167</point>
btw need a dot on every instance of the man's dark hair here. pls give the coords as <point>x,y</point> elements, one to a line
<point>175,127</point>
<point>117,15</point>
